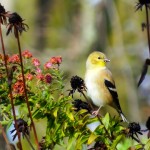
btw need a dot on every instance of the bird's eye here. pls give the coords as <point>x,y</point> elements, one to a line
<point>99,57</point>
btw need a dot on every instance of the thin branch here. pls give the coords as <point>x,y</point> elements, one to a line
<point>4,134</point>
<point>10,91</point>
<point>25,90</point>
<point>29,141</point>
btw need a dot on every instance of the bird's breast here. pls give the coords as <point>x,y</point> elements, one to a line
<point>95,87</point>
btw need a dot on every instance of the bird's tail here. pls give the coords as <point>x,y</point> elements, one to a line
<point>123,117</point>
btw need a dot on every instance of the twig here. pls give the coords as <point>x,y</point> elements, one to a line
<point>4,134</point>
<point>10,90</point>
<point>29,141</point>
<point>25,90</point>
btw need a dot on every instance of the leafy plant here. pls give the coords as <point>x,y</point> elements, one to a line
<point>39,91</point>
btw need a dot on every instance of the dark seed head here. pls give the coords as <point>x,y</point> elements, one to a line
<point>144,2</point>
<point>76,82</point>
<point>79,104</point>
<point>100,146</point>
<point>2,9</point>
<point>135,127</point>
<point>14,18</point>
<point>134,130</point>
<point>22,128</point>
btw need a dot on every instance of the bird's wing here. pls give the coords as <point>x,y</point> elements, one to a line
<point>112,89</point>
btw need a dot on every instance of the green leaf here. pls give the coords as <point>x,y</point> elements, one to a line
<point>147,145</point>
<point>55,112</point>
<point>106,120</point>
<point>116,141</point>
<point>139,147</point>
<point>82,111</point>
<point>70,115</point>
<point>71,144</point>
<point>92,138</point>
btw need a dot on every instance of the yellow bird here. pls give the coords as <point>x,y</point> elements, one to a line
<point>100,84</point>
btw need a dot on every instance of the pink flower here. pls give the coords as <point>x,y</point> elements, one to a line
<point>26,54</point>
<point>38,70</point>
<point>48,65</point>
<point>48,78</point>
<point>29,76</point>
<point>40,76</point>
<point>56,60</point>
<point>35,62</point>
<point>14,59</point>
<point>59,60</point>
<point>18,87</point>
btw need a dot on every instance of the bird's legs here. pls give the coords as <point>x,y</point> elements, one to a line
<point>96,111</point>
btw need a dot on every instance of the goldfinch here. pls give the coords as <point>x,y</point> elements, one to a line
<point>100,84</point>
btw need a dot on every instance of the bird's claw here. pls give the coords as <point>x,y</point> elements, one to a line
<point>95,113</point>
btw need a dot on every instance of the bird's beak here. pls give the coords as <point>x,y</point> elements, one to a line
<point>106,60</point>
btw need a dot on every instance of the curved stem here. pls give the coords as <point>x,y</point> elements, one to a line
<point>10,90</point>
<point>25,90</point>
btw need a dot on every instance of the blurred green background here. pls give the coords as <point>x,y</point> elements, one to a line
<point>74,28</point>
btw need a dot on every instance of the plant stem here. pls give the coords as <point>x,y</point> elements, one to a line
<point>4,134</point>
<point>97,116</point>
<point>10,90</point>
<point>29,141</point>
<point>25,90</point>
<point>147,23</point>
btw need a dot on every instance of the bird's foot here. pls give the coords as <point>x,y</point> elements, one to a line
<point>95,113</point>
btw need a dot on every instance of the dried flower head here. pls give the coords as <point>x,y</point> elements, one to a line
<point>134,129</point>
<point>79,104</point>
<point>3,19</point>
<point>78,84</point>
<point>141,3</point>
<point>48,78</point>
<point>22,128</point>
<point>100,146</point>
<point>16,23</point>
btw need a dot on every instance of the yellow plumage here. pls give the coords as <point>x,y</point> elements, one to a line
<point>100,84</point>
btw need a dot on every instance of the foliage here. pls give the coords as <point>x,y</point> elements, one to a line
<point>39,91</point>
<point>45,89</point>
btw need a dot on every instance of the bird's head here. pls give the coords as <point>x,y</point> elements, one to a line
<point>96,60</point>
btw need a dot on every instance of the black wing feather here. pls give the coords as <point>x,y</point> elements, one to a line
<point>112,89</point>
